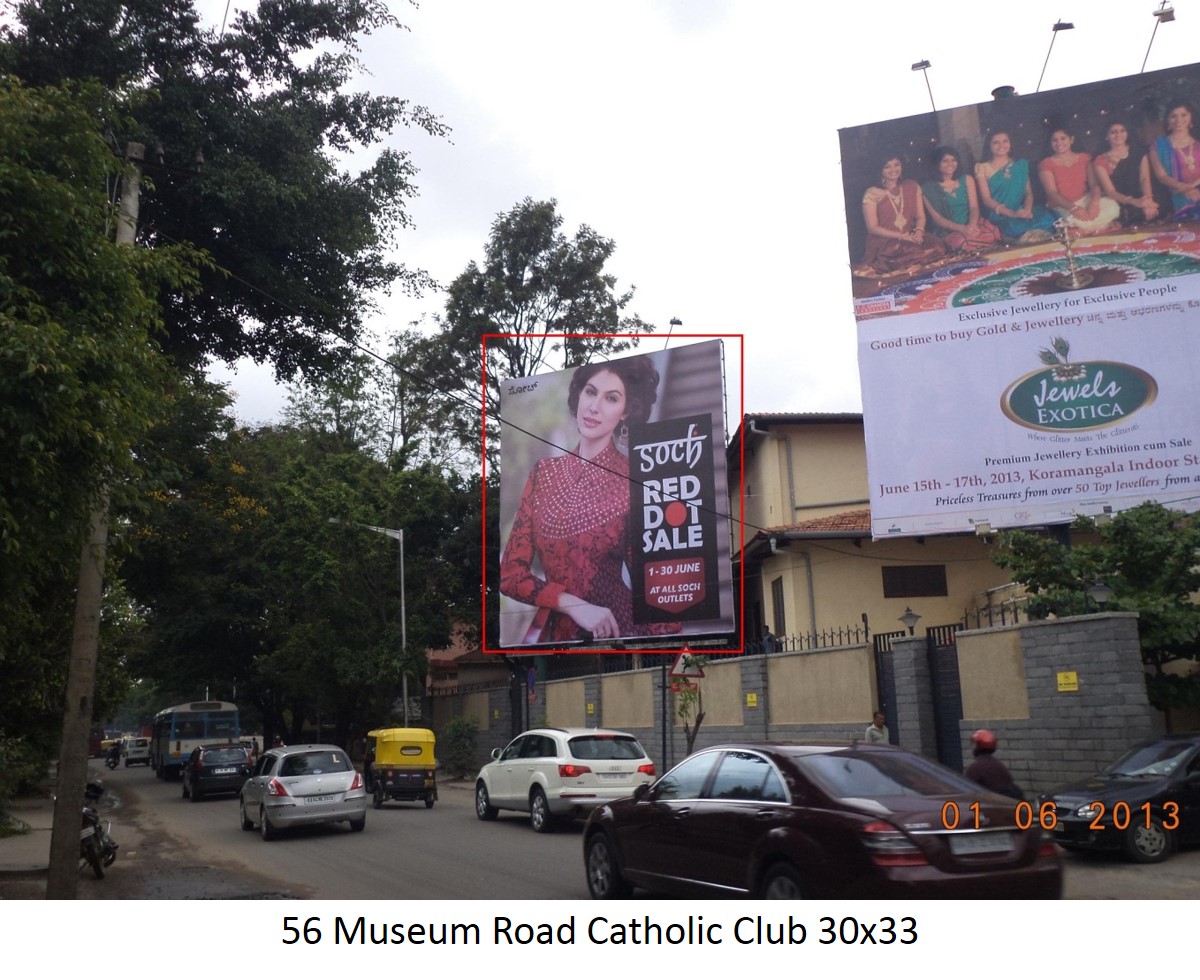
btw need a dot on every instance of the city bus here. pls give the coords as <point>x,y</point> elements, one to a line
<point>180,729</point>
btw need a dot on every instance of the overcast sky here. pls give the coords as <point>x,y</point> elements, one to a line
<point>701,135</point>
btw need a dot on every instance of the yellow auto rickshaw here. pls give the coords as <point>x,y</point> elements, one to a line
<point>400,765</point>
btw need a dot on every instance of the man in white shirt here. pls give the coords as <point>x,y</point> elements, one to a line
<point>877,731</point>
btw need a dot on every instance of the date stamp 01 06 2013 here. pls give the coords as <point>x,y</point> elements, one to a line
<point>1046,816</point>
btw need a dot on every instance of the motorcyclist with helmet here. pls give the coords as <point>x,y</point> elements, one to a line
<point>988,771</point>
<point>114,755</point>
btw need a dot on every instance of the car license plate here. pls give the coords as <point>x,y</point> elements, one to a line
<point>613,776</point>
<point>223,772</point>
<point>328,798</point>
<point>86,833</point>
<point>986,843</point>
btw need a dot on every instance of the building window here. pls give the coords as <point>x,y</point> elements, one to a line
<point>777,602</point>
<point>907,581</point>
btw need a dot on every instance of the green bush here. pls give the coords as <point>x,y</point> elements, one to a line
<point>457,748</point>
<point>20,769</point>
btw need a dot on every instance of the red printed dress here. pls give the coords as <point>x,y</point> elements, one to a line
<point>574,518</point>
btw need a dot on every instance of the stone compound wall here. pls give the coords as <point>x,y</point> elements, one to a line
<point>1056,735</point>
<point>1064,735</point>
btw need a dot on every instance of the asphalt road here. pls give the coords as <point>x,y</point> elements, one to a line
<point>172,848</point>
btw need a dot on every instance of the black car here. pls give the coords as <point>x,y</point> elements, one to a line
<point>1146,803</point>
<point>842,821</point>
<point>214,769</point>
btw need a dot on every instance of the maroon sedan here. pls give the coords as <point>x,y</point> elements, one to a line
<point>838,820</point>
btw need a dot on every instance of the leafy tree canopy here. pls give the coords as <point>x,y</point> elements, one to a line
<point>1146,555</point>
<point>246,132</point>
<point>534,282</point>
<point>81,373</point>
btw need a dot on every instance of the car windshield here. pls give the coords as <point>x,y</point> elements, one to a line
<point>850,775</point>
<point>606,747</point>
<point>1156,759</point>
<point>216,757</point>
<point>314,763</point>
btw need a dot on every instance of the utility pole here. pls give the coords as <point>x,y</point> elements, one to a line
<point>63,879</point>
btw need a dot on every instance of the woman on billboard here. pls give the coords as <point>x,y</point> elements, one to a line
<point>573,518</point>
<point>894,213</point>
<point>952,203</point>
<point>1124,176</point>
<point>1176,162</point>
<point>1072,190</point>
<point>1007,194</point>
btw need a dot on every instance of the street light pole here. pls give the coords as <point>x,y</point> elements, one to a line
<point>398,534</point>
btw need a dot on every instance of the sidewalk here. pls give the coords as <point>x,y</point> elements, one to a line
<point>24,854</point>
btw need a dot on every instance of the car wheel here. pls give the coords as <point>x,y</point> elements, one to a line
<point>483,809</point>
<point>246,822</point>
<point>378,798</point>
<point>540,817</point>
<point>603,872</point>
<point>782,881</point>
<point>264,825</point>
<point>429,803</point>
<point>359,824</point>
<point>185,789</point>
<point>126,763</point>
<point>1147,844</point>
<point>196,794</point>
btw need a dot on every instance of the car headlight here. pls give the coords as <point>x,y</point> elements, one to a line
<point>1088,812</point>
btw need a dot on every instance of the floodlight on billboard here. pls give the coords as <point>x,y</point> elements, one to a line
<point>614,512</point>
<point>1026,285</point>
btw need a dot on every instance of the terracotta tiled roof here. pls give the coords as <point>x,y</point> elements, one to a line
<point>850,521</point>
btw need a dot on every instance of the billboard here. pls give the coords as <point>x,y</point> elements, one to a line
<point>614,512</point>
<point>1025,280</point>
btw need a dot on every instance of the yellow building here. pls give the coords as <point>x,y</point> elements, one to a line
<point>810,564</point>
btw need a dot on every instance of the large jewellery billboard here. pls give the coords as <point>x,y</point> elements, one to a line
<point>613,502</point>
<point>1027,299</point>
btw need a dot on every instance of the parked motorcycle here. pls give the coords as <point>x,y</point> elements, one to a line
<point>96,846</point>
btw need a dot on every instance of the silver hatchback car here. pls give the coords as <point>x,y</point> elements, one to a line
<point>297,785</point>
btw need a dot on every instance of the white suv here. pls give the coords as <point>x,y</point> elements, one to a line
<point>136,752</point>
<point>560,772</point>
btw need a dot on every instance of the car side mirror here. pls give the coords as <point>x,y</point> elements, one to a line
<point>641,791</point>
<point>496,754</point>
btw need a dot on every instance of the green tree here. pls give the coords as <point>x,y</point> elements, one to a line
<point>248,586</point>
<point>248,133</point>
<point>689,702</point>
<point>81,376</point>
<point>534,282</point>
<point>1147,556</point>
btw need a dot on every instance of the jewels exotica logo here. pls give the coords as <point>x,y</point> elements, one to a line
<point>1076,396</point>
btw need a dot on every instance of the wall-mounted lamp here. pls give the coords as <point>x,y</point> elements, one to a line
<point>1099,593</point>
<point>909,619</point>
<point>1062,25</point>
<point>983,529</point>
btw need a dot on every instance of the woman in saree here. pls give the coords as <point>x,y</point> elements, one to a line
<point>1124,177</point>
<point>1007,195</point>
<point>894,213</point>
<point>1176,163</point>
<point>952,205</point>
<point>1071,187</point>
